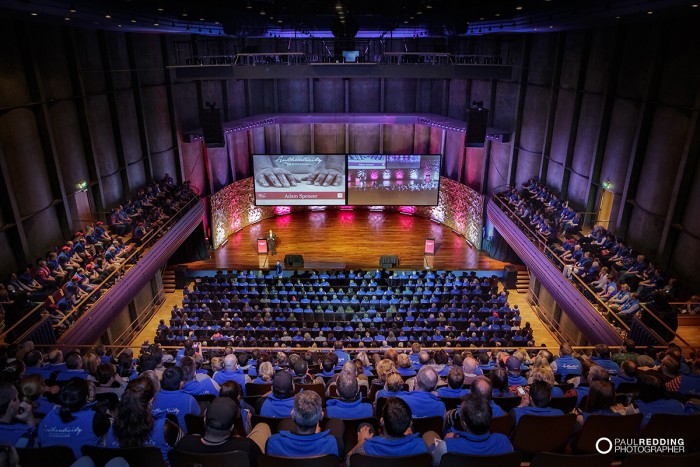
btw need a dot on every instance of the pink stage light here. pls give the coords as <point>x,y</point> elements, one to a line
<point>282,210</point>
<point>399,174</point>
<point>347,208</point>
<point>410,210</point>
<point>374,175</point>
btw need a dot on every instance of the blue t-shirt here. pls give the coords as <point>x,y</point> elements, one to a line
<point>76,433</point>
<point>540,411</point>
<point>205,386</point>
<point>336,408</point>
<point>221,376</point>
<point>178,403</point>
<point>424,404</point>
<point>11,433</point>
<point>277,408</point>
<point>488,444</point>
<point>288,444</point>
<point>666,406</point>
<point>450,392</point>
<point>405,446</point>
<point>567,365</point>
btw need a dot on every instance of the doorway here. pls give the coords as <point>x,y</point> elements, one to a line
<point>605,208</point>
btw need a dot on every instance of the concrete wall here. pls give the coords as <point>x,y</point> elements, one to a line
<point>616,104</point>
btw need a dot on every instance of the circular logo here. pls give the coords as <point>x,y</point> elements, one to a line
<point>603,441</point>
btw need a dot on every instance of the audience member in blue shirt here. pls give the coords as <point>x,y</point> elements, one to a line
<point>628,374</point>
<point>171,399</point>
<point>350,404</point>
<point>135,426</point>
<point>476,439</point>
<point>595,373</point>
<point>601,356</point>
<point>566,364</point>
<point>395,421</point>
<point>600,401</point>
<point>194,385</point>
<point>514,377</point>
<point>652,399</point>
<point>231,372</point>
<point>422,401</point>
<point>73,423</point>
<point>279,404</point>
<point>17,424</point>
<point>455,381</point>
<point>536,403</point>
<point>306,440</point>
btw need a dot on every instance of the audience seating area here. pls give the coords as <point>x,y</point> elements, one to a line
<point>74,275</point>
<point>618,279</point>
<point>358,308</point>
<point>557,420</point>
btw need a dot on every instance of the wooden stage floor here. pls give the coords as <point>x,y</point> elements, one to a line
<point>349,239</point>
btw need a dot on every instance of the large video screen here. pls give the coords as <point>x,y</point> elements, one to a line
<point>299,180</point>
<point>386,180</point>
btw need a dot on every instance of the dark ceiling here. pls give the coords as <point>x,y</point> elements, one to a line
<point>324,18</point>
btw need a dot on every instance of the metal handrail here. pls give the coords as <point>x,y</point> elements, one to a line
<point>146,243</point>
<point>544,246</point>
<point>130,332</point>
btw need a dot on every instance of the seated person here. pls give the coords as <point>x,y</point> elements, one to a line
<point>536,402</point>
<point>600,401</point>
<point>307,440</point>
<point>687,384</point>
<point>220,436</point>
<point>476,439</point>
<point>595,373</point>
<point>17,424</point>
<point>393,386</point>
<point>422,401</point>
<point>455,381</point>
<point>280,403</point>
<point>652,399</point>
<point>396,439</point>
<point>171,399</point>
<point>350,404</point>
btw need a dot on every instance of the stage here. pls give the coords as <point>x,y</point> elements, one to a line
<point>335,239</point>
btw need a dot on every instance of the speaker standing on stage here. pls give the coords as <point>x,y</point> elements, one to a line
<point>272,242</point>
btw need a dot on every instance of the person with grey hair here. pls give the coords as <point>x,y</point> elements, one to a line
<point>306,440</point>
<point>595,373</point>
<point>231,372</point>
<point>350,404</point>
<point>470,366</point>
<point>422,401</point>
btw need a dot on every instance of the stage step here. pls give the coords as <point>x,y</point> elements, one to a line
<point>169,280</point>
<point>522,281</point>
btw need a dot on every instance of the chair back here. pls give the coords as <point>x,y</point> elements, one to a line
<point>265,460</point>
<point>675,426</point>
<point>272,422</point>
<point>195,459</point>
<point>550,459</point>
<point>319,389</point>
<point>418,460</point>
<point>451,402</point>
<point>536,433</point>
<point>453,459</point>
<point>565,404</point>
<point>147,455</point>
<point>503,425</point>
<point>608,426</point>
<point>426,424</point>
<point>507,403</point>
<point>252,389</point>
<point>55,456</point>
<point>351,425</point>
<point>195,424</point>
<point>655,460</point>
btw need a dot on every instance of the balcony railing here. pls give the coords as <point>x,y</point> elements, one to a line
<point>543,245</point>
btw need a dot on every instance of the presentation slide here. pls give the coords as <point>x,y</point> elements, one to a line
<point>389,180</point>
<point>299,180</point>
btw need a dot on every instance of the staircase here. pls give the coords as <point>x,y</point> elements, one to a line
<point>522,281</point>
<point>169,279</point>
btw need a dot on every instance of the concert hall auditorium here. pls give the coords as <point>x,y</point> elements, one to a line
<point>350,233</point>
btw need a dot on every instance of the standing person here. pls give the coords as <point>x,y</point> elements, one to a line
<point>278,268</point>
<point>272,243</point>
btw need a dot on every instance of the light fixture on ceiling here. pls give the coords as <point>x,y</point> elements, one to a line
<point>108,15</point>
<point>72,8</point>
<point>133,20</point>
